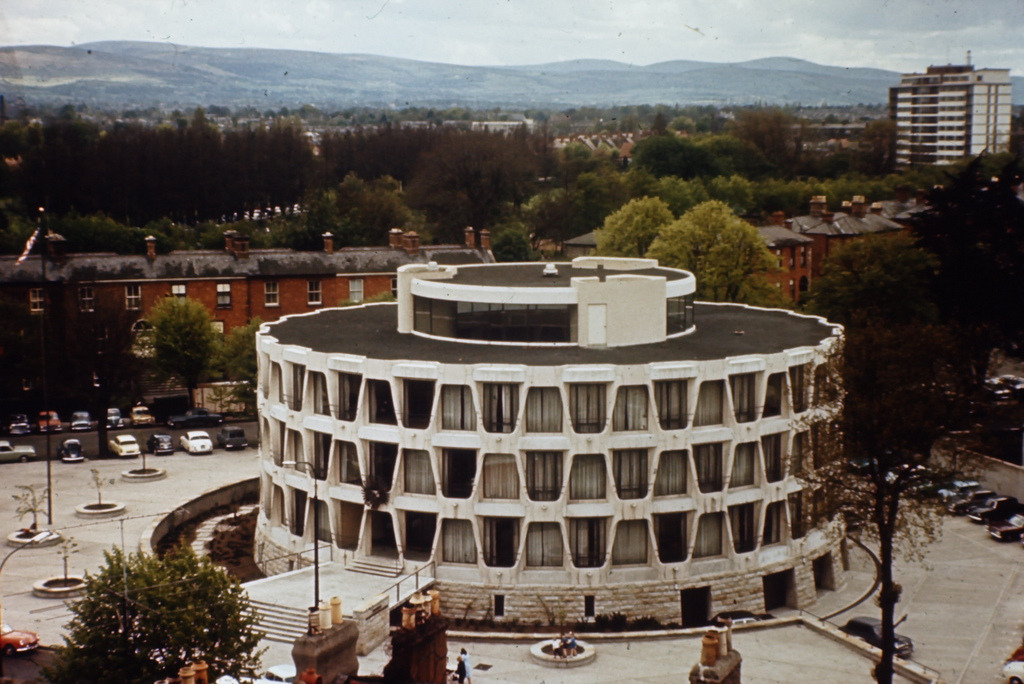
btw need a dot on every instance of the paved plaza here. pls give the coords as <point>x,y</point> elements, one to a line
<point>964,602</point>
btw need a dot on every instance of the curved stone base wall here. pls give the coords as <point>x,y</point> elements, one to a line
<point>558,605</point>
<point>273,559</point>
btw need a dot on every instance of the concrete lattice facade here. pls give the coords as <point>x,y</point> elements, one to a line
<point>639,458</point>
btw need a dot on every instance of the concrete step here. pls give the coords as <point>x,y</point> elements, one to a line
<point>281,623</point>
<point>377,567</point>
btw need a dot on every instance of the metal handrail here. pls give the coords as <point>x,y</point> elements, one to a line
<point>415,575</point>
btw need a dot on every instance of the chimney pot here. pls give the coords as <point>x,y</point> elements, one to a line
<point>470,237</point>
<point>395,238</point>
<point>819,203</point>
<point>328,242</point>
<point>876,207</point>
<point>150,247</point>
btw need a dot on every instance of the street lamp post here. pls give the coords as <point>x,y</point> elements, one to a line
<point>41,537</point>
<point>316,526</point>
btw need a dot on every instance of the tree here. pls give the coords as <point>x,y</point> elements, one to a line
<point>630,231</point>
<point>665,155</point>
<point>725,253</point>
<point>237,361</point>
<point>144,617</point>
<point>32,502</point>
<point>183,340</point>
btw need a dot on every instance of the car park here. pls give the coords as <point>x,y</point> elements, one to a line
<point>999,508</point>
<point>140,415</point>
<point>81,421</point>
<point>196,442</point>
<point>870,630</point>
<point>70,451</point>
<point>231,438</point>
<point>960,506</point>
<point>195,417</point>
<point>14,641</point>
<point>48,421</point>
<point>160,444</point>
<point>17,424</point>
<point>10,453</point>
<point>124,446</point>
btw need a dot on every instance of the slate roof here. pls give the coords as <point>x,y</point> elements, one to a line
<point>778,236</point>
<point>270,263</point>
<point>844,224</point>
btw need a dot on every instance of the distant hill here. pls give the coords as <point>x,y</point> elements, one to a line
<point>124,73</point>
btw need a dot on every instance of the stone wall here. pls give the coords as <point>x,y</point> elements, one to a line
<point>196,508</point>
<point>373,618</point>
<point>272,559</point>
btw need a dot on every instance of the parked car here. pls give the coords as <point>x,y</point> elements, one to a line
<point>17,424</point>
<point>115,421</point>
<point>955,489</point>
<point>142,416</point>
<point>1008,529</point>
<point>960,505</point>
<point>160,444</point>
<point>14,641</point>
<point>999,508</point>
<point>277,673</point>
<point>196,417</point>
<point>70,451</point>
<point>11,454</point>
<point>870,630</point>
<point>81,420</point>
<point>740,617</point>
<point>1013,671</point>
<point>49,421</point>
<point>124,446</point>
<point>196,442</point>
<point>231,438</point>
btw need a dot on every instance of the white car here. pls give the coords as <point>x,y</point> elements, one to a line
<point>1013,671</point>
<point>124,446</point>
<point>196,442</point>
<point>273,675</point>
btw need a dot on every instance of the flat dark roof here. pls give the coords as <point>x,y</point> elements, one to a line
<point>721,330</point>
<point>532,275</point>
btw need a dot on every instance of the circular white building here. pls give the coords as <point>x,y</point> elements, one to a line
<point>559,441</point>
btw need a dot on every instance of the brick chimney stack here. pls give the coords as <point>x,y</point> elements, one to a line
<point>395,238</point>
<point>819,204</point>
<point>229,241</point>
<point>859,206</point>
<point>411,243</point>
<point>876,207</point>
<point>485,240</point>
<point>828,217</point>
<point>150,248</point>
<point>56,248</point>
<point>329,242</point>
<point>778,218</point>
<point>847,207</point>
<point>470,237</point>
<point>241,246</point>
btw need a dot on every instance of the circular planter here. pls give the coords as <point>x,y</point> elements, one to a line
<point>59,588</point>
<point>143,474</point>
<point>542,653</point>
<point>16,539</point>
<point>96,510</point>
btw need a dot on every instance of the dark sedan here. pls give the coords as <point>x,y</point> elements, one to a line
<point>1000,508</point>
<point>870,630</point>
<point>961,505</point>
<point>17,424</point>
<point>160,444</point>
<point>1007,530</point>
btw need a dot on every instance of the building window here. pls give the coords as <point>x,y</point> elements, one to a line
<point>217,326</point>
<point>459,473</point>
<point>419,403</point>
<point>318,386</point>
<point>796,514</point>
<point>671,477</point>
<point>178,290</point>
<point>741,519</point>
<point>501,542</point>
<point>630,408</point>
<point>271,293</point>
<point>798,455</point>
<point>670,396</point>
<point>709,536</point>
<point>708,458</point>
<point>670,532</point>
<point>544,545</point>
<point>743,467</point>
<point>223,295</point>
<point>501,404</point>
<point>419,476</point>
<point>631,543</point>
<point>588,478</point>
<point>773,395</point>
<point>383,456</point>
<point>709,403</point>
<point>36,300</point>
<point>348,462</point>
<point>382,406</point>
<point>544,475</point>
<point>774,520</point>
<point>543,410</point>
<point>771,445</point>
<point>86,298</point>
<point>133,297</point>
<point>355,289</point>
<point>321,454</point>
<point>501,479</point>
<point>587,541</point>
<point>348,395</point>
<point>743,403</point>
<point>630,470</point>
<point>294,398</point>
<point>499,605</point>
<point>798,385</point>
<point>394,286</point>
<point>589,607</point>
<point>587,407</point>
<point>457,542</point>
<point>457,411</point>
<point>298,521</point>
<point>314,294</point>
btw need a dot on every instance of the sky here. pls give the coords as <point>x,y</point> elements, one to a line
<point>899,35</point>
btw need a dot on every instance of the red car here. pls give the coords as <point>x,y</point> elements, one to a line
<point>14,641</point>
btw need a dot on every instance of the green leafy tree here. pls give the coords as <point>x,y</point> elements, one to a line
<point>725,253</point>
<point>144,617</point>
<point>183,340</point>
<point>237,362</point>
<point>630,231</point>
<point>666,155</point>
